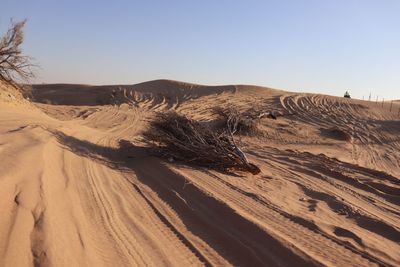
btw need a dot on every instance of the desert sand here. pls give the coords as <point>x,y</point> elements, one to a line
<point>78,186</point>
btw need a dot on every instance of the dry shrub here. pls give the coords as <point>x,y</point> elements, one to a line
<point>13,63</point>
<point>238,122</point>
<point>189,141</point>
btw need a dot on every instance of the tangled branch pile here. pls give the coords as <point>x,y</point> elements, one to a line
<point>238,122</point>
<point>13,64</point>
<point>187,140</point>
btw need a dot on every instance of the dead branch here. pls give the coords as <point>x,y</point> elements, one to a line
<point>13,64</point>
<point>186,140</point>
<point>243,123</point>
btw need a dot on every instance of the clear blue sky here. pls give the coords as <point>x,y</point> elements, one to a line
<point>299,45</point>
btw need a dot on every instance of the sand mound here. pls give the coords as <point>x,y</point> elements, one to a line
<point>10,94</point>
<point>153,94</point>
<point>79,186</point>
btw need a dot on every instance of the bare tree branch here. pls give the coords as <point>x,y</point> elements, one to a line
<point>183,139</point>
<point>14,65</point>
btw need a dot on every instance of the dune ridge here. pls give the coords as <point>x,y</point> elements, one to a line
<point>79,187</point>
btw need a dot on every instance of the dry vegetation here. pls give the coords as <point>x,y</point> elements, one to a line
<point>186,140</point>
<point>243,122</point>
<point>14,65</point>
<point>238,122</point>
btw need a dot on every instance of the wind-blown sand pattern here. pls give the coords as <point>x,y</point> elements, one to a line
<point>78,187</point>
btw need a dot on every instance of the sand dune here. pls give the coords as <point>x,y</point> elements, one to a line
<point>80,188</point>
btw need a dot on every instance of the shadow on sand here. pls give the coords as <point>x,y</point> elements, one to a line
<point>238,240</point>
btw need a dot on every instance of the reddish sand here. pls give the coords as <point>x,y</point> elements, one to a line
<point>72,195</point>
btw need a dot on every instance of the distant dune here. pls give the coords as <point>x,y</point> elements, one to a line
<point>79,186</point>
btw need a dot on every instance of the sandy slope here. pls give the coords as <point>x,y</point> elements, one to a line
<point>78,187</point>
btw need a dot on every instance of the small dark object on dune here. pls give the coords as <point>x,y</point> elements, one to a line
<point>271,115</point>
<point>187,140</point>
